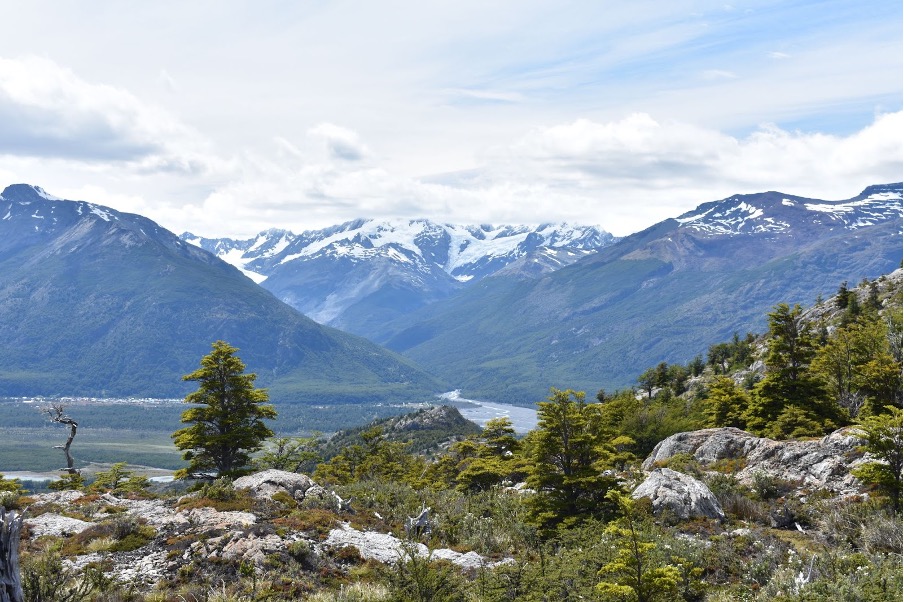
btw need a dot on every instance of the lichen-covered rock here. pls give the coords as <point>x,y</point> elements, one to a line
<point>682,495</point>
<point>55,524</point>
<point>389,549</point>
<point>58,497</point>
<point>303,489</point>
<point>817,464</point>
<point>209,519</point>
<point>267,483</point>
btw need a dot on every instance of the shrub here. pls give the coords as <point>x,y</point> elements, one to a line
<point>864,525</point>
<point>315,520</point>
<point>67,482</point>
<point>46,579</point>
<point>767,487</point>
<point>220,495</point>
<point>122,534</point>
<point>356,592</point>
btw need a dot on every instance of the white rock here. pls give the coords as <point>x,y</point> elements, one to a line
<point>266,483</point>
<point>681,494</point>
<point>54,524</point>
<point>206,518</point>
<point>820,464</point>
<point>389,549</point>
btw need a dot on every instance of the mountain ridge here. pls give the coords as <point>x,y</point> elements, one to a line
<point>649,297</point>
<point>343,274</point>
<point>95,301</point>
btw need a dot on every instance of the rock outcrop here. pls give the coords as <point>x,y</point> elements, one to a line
<point>389,549</point>
<point>817,464</point>
<point>56,525</point>
<point>300,487</point>
<point>681,495</point>
<point>189,536</point>
<point>267,483</point>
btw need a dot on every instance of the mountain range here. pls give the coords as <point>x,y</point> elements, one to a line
<point>98,302</point>
<point>360,274</point>
<point>663,294</point>
<point>94,301</point>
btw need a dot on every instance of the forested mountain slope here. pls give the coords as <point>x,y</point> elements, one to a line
<point>659,295</point>
<point>98,302</point>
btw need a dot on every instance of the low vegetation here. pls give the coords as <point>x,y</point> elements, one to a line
<point>550,513</point>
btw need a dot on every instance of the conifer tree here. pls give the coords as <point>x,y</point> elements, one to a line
<point>227,422</point>
<point>570,456</point>
<point>884,441</point>
<point>789,386</point>
<point>725,404</point>
<point>638,572</point>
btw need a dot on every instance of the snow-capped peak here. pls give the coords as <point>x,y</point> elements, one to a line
<point>771,212</point>
<point>462,251</point>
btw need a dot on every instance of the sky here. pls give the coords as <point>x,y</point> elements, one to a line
<point>226,118</point>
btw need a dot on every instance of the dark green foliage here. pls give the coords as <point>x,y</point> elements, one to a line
<point>376,458</point>
<point>119,480</point>
<point>291,454</point>
<point>646,422</point>
<point>422,431</point>
<point>791,401</point>
<point>725,357</point>
<point>569,456</point>
<point>227,420</point>
<point>419,579</point>
<point>478,464</point>
<point>726,403</point>
<point>10,492</point>
<point>884,442</point>
<point>68,482</point>
<point>10,485</point>
<point>843,296</point>
<point>696,366</point>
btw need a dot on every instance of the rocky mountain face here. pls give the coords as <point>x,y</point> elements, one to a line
<point>663,294</point>
<point>98,302</point>
<point>365,272</point>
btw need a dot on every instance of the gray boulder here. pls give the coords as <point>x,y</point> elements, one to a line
<point>302,488</point>
<point>55,524</point>
<point>824,463</point>
<point>267,483</point>
<point>682,495</point>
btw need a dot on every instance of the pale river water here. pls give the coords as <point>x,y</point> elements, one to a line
<point>523,419</point>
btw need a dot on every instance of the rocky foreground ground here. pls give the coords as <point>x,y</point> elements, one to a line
<point>143,540</point>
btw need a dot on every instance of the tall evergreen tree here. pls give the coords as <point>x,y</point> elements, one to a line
<point>789,386</point>
<point>570,456</point>
<point>227,422</point>
<point>725,403</point>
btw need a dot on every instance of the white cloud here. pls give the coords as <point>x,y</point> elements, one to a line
<point>342,143</point>
<point>624,175</point>
<point>48,111</point>
<point>167,81</point>
<point>477,95</point>
<point>779,55</point>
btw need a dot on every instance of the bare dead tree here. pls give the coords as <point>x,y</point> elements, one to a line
<point>10,579</point>
<point>57,413</point>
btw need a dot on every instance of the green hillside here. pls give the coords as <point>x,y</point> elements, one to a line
<point>120,307</point>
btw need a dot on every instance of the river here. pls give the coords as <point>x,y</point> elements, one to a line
<point>523,419</point>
